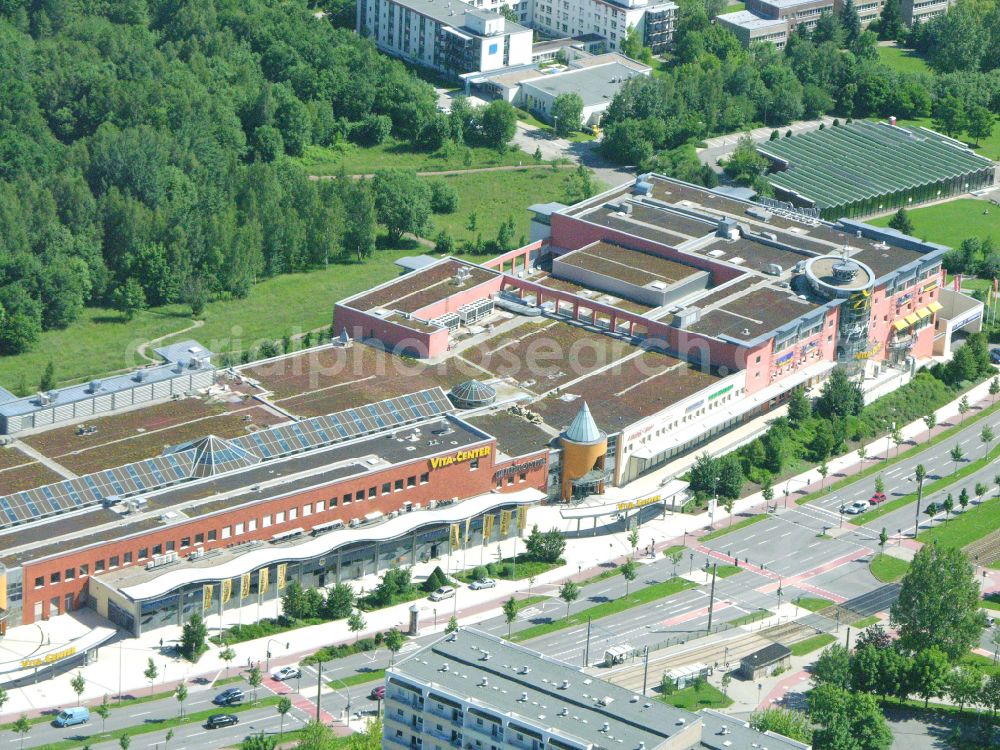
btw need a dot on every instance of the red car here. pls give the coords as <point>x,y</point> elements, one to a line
<point>377,693</point>
<point>878,497</point>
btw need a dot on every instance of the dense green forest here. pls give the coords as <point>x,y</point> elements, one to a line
<point>143,149</point>
<point>712,85</point>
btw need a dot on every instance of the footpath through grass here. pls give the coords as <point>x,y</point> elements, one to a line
<point>888,569</point>
<point>735,526</point>
<point>966,527</point>
<point>605,609</point>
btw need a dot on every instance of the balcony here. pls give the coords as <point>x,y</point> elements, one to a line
<point>400,741</point>
<point>493,731</point>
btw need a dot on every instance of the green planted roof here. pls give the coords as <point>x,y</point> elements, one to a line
<point>863,160</point>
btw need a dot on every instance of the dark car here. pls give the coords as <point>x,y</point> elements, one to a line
<point>221,720</point>
<point>995,356</point>
<point>228,697</point>
<point>377,693</point>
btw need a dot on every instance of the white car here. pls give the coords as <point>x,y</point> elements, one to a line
<point>855,508</point>
<point>445,592</point>
<point>287,673</point>
<point>485,583</point>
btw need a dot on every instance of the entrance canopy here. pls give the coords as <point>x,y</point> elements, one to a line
<point>672,492</point>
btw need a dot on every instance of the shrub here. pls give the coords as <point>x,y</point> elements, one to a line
<point>479,573</point>
<point>444,198</point>
<point>435,580</point>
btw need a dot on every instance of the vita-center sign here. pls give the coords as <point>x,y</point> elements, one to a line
<point>460,457</point>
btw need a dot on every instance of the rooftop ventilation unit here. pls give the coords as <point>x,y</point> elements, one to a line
<point>606,700</point>
<point>524,670</point>
<point>523,698</point>
<point>775,269</point>
<point>444,667</point>
<point>485,656</point>
<point>484,682</point>
<point>745,332</point>
<point>605,727</point>
<point>564,684</point>
<point>95,386</point>
<point>139,376</point>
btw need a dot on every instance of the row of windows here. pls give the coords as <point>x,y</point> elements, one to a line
<point>238,529</point>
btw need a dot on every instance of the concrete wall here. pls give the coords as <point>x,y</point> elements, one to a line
<point>396,338</point>
<point>460,297</point>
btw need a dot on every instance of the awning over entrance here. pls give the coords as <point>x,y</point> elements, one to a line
<point>665,494</point>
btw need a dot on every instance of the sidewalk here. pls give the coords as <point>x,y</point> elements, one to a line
<point>585,556</point>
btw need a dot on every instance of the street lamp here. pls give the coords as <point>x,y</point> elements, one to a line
<point>267,661</point>
<point>347,689</point>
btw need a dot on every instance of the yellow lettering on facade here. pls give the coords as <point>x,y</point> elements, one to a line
<point>439,462</point>
<point>630,504</point>
<point>52,658</point>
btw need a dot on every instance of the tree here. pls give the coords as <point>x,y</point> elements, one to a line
<point>129,298</point>
<point>799,408</point>
<point>436,579</point>
<point>930,420</point>
<point>227,655</point>
<point>846,720</point>
<point>567,112</point>
<point>359,230</point>
<point>498,123</point>
<point>949,115</point>
<point>840,397</point>
<point>124,742</point>
<point>79,685</point>
<point>631,46</point>
<point>103,710</point>
<point>402,202</point>
<point>938,603</point>
<point>990,694</point>
<point>980,488</point>
<point>151,673</point>
<point>633,540</point>
<point>823,470</point>
<point>930,673</point>
<point>883,537</point>
<point>255,679</point>
<point>193,637</point>
<point>393,641</point>
<point>890,21</point>
<point>963,408</point>
<point>745,165</point>
<point>22,726</point>
<point>833,667</point>
<point>510,608</point>
<point>675,557</point>
<point>630,571</point>
<point>48,379</point>
<point>897,438</point>
<point>316,736</point>
<point>792,724</point>
<point>283,707</point>
<point>569,592</point>
<point>452,625</point>
<point>579,184</point>
<point>545,547</point>
<point>979,123</point>
<point>339,602</point>
<point>957,454</point>
<point>356,623</point>
<point>986,436</point>
<point>767,489</point>
<point>963,496</point>
<point>850,21</point>
<point>964,684</point>
<point>181,694</point>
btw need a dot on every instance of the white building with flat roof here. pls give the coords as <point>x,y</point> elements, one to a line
<point>448,36</point>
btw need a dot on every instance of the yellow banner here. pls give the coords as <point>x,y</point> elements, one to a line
<point>282,571</point>
<point>504,523</point>
<point>468,521</point>
<point>487,527</point>
<point>263,579</point>
<point>227,591</point>
<point>244,586</point>
<point>206,596</point>
<point>455,541</point>
<point>522,518</point>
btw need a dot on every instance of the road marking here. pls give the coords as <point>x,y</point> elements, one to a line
<point>142,713</point>
<point>815,544</point>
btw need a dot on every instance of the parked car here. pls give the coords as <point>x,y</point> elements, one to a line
<point>484,583</point>
<point>995,355</point>
<point>859,506</point>
<point>377,693</point>
<point>445,592</point>
<point>287,673</point>
<point>71,716</point>
<point>221,720</point>
<point>229,696</point>
<point>878,497</point>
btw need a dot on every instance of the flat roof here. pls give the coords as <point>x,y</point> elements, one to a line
<point>527,687</point>
<point>626,392</point>
<point>515,435</point>
<point>747,20</point>
<point>631,266</point>
<point>417,289</point>
<point>453,13</point>
<point>746,316</point>
<point>595,85</point>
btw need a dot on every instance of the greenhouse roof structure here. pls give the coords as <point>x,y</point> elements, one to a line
<point>864,160</point>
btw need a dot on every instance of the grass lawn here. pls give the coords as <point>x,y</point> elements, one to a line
<point>988,147</point>
<point>728,570</point>
<point>992,601</point>
<point>887,568</point>
<point>903,60</point>
<point>524,569</point>
<point>812,603</point>
<point>735,526</point>
<point>697,697</point>
<point>493,196</point>
<point>734,8</point>
<point>865,622</point>
<point>966,527</point>
<point>750,617</point>
<point>635,599</point>
<point>812,644</point>
<point>578,136</point>
<point>354,159</point>
<point>358,679</point>
<point>950,223</point>
<point>602,576</point>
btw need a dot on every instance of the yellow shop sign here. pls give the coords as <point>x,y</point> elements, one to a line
<point>52,658</point>
<point>460,457</point>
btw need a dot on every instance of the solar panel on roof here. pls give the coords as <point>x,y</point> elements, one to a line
<point>8,510</point>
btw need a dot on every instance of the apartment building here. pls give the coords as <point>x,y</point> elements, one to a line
<point>773,20</point>
<point>449,36</point>
<point>921,11</point>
